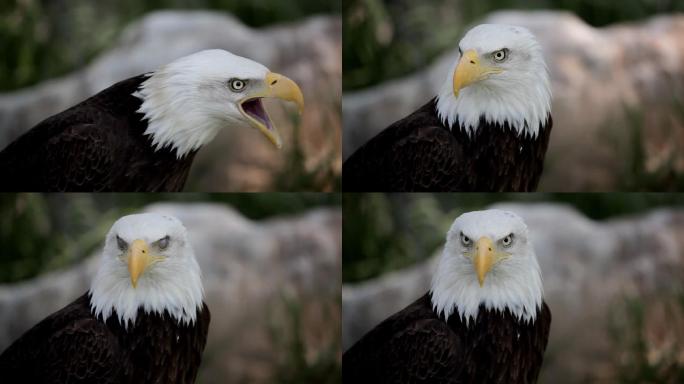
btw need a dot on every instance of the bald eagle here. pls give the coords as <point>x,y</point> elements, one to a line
<point>142,133</point>
<point>487,129</point>
<point>142,321</point>
<point>483,320</point>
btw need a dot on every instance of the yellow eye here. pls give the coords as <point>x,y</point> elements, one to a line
<point>507,241</point>
<point>499,55</point>
<point>465,240</point>
<point>237,85</point>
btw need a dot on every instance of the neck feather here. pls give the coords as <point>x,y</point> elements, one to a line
<point>174,118</point>
<point>525,106</point>
<point>173,288</point>
<point>455,289</point>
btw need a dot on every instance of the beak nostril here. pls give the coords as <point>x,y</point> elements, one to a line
<point>472,62</point>
<point>273,82</point>
<point>490,249</point>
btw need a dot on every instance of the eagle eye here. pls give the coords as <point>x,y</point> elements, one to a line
<point>121,243</point>
<point>237,85</point>
<point>507,241</point>
<point>465,240</point>
<point>500,55</point>
<point>163,243</point>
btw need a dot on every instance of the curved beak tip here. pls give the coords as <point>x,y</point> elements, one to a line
<point>285,88</point>
<point>297,98</point>
<point>280,87</point>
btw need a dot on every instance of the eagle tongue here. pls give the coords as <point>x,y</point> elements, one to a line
<point>255,108</point>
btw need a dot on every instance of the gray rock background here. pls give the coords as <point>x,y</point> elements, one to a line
<point>588,267</point>
<point>309,52</point>
<point>254,274</point>
<point>595,74</point>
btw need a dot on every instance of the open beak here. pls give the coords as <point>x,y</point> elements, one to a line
<point>469,70</point>
<point>277,86</point>
<point>138,259</point>
<point>485,258</point>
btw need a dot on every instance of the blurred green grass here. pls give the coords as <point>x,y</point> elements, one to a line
<point>634,174</point>
<point>299,365</point>
<point>386,39</point>
<point>43,232</point>
<point>296,176</point>
<point>41,39</point>
<point>649,345</point>
<point>386,232</point>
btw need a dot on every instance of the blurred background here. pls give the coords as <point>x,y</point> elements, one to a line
<point>57,53</point>
<point>612,265</point>
<point>270,262</point>
<point>617,72</point>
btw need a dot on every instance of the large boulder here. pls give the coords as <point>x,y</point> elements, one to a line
<point>597,75</point>
<point>588,268</point>
<point>308,51</point>
<point>255,274</point>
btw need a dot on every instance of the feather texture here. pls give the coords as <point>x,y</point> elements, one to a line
<point>415,345</point>
<point>73,346</point>
<point>419,153</point>
<point>97,145</point>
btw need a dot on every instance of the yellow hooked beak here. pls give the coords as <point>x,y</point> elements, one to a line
<point>138,259</point>
<point>485,258</point>
<point>276,86</point>
<point>469,70</point>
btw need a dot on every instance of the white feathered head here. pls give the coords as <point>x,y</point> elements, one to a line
<point>147,263</point>
<point>187,101</point>
<point>500,76</point>
<point>488,260</point>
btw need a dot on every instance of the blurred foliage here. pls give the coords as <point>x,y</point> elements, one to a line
<point>381,233</point>
<point>40,39</point>
<point>649,345</point>
<point>387,39</point>
<point>295,175</point>
<point>42,232</point>
<point>384,40</point>
<point>630,149</point>
<point>298,365</point>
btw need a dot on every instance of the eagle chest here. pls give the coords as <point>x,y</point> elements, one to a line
<point>157,349</point>
<point>498,159</point>
<point>498,349</point>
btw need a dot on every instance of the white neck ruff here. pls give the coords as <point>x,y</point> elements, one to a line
<point>166,286</point>
<point>525,105</point>
<point>455,289</point>
<point>175,116</point>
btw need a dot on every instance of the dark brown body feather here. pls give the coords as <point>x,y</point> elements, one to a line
<point>417,346</point>
<point>96,145</point>
<point>72,346</point>
<point>418,153</point>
